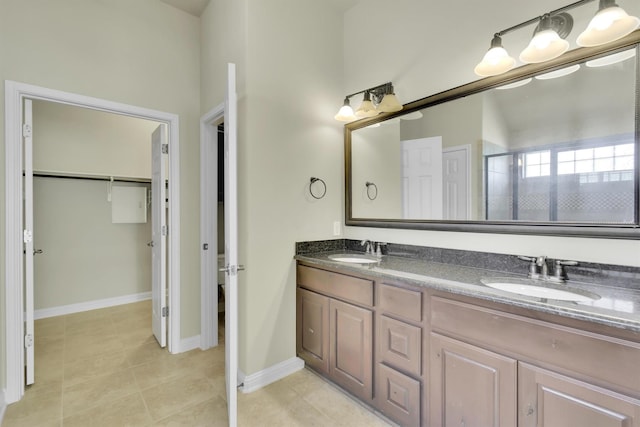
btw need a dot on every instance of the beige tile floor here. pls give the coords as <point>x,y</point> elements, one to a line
<point>104,368</point>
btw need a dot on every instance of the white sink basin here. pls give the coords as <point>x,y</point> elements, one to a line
<point>353,258</point>
<point>540,290</point>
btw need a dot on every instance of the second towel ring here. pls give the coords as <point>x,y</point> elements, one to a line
<point>370,192</point>
<point>312,181</point>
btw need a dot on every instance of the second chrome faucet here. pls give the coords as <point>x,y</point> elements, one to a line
<point>538,268</point>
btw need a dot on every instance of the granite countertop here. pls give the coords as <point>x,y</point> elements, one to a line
<point>618,306</point>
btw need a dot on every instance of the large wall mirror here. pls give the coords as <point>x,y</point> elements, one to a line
<point>543,149</point>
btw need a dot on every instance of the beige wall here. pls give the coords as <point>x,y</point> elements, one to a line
<point>76,140</point>
<point>424,55</point>
<point>85,256</point>
<point>144,53</point>
<point>290,74</point>
<point>377,158</point>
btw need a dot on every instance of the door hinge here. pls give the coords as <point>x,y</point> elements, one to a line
<point>27,236</point>
<point>28,340</point>
<point>165,148</point>
<point>165,230</point>
<point>165,311</point>
<point>26,131</point>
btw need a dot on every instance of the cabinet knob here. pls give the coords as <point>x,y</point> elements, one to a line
<point>310,330</point>
<point>530,410</point>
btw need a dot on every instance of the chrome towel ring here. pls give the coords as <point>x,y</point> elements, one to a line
<point>371,194</point>
<point>317,194</point>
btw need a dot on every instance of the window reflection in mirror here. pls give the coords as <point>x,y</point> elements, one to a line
<point>565,150</point>
<point>560,147</point>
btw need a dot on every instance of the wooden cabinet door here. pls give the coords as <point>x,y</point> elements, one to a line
<point>351,344</point>
<point>548,399</point>
<point>313,329</point>
<point>471,386</point>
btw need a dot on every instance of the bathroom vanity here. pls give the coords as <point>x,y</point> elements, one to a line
<point>427,343</point>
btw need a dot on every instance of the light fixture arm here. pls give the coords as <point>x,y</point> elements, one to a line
<point>553,12</point>
<point>376,92</point>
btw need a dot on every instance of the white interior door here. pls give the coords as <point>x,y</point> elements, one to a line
<point>231,246</point>
<point>422,178</point>
<point>159,235</point>
<point>456,183</point>
<point>29,341</point>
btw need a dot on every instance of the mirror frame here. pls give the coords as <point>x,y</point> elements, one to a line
<point>611,231</point>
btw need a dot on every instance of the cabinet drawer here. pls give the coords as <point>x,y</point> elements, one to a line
<point>340,286</point>
<point>398,396</point>
<point>401,302</point>
<point>400,345</point>
<point>608,360</point>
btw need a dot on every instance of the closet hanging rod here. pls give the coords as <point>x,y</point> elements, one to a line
<point>91,177</point>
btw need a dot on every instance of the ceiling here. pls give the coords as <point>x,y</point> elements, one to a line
<point>196,7</point>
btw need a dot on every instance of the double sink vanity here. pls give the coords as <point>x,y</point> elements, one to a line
<point>441,337</point>
<point>437,337</point>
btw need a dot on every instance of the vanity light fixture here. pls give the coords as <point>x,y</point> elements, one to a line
<point>610,23</point>
<point>366,109</point>
<point>345,114</point>
<point>548,42</point>
<point>378,99</point>
<point>496,60</point>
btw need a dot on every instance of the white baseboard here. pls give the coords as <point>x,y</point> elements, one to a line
<point>188,344</point>
<point>267,376</point>
<point>3,405</point>
<point>90,305</point>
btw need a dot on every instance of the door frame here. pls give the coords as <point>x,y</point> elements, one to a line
<point>15,93</point>
<point>209,226</point>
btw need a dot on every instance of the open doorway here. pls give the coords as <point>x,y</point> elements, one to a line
<point>212,222</point>
<point>17,95</point>
<point>92,216</point>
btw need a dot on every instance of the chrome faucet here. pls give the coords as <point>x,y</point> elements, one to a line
<point>368,246</point>
<point>373,248</point>
<point>538,269</point>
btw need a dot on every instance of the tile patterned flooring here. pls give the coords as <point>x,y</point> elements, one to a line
<point>104,368</point>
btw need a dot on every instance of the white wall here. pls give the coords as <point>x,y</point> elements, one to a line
<point>143,53</point>
<point>428,48</point>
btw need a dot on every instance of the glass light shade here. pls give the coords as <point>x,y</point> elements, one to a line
<point>611,59</point>
<point>345,114</point>
<point>544,46</point>
<point>515,84</point>
<point>389,104</point>
<point>366,109</point>
<point>559,73</point>
<point>495,61</point>
<point>609,24</point>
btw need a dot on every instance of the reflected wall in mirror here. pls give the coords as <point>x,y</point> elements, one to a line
<point>553,150</point>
